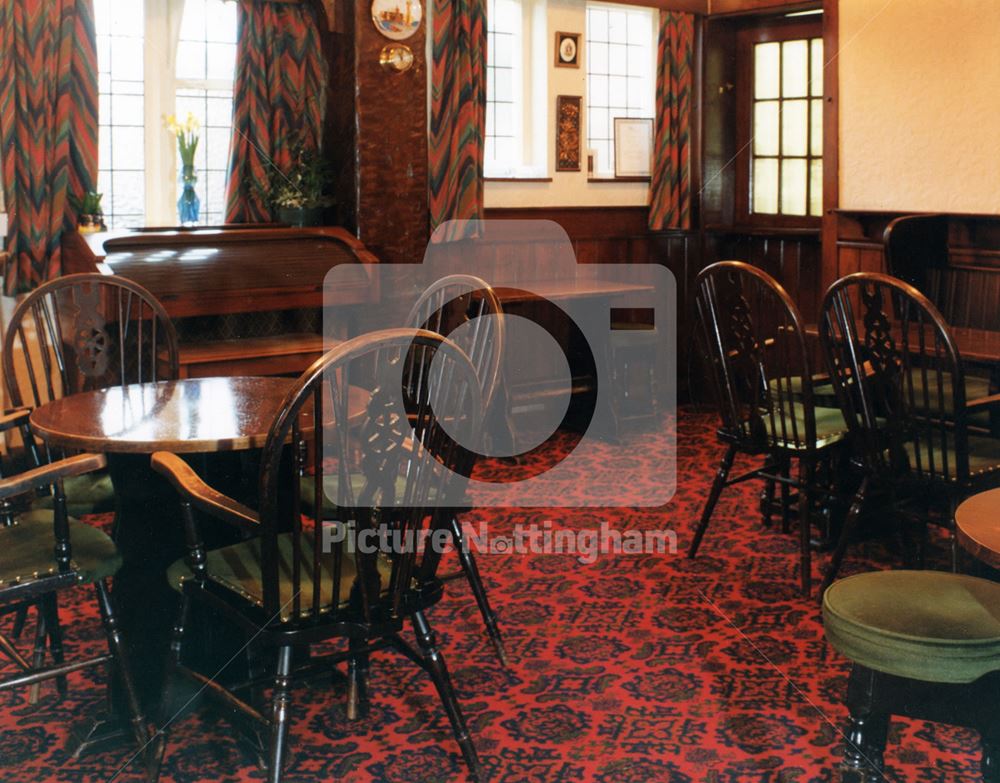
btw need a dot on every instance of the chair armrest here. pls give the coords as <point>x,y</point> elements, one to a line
<point>212,502</point>
<point>983,402</point>
<point>49,474</point>
<point>16,417</point>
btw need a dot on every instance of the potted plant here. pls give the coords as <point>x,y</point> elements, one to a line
<point>90,213</point>
<point>299,195</point>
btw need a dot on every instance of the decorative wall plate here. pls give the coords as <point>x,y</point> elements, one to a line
<point>397,19</point>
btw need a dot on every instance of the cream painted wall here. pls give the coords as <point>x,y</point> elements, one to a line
<point>920,105</point>
<point>566,188</point>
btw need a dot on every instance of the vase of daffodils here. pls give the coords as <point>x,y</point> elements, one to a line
<point>188,205</point>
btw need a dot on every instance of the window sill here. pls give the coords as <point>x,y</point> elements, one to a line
<point>617,179</point>
<point>517,179</point>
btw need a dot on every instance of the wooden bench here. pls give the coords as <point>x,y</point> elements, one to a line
<point>284,354</point>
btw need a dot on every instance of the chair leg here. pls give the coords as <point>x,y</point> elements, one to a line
<point>170,677</point>
<point>479,591</point>
<point>51,608</point>
<point>807,476</point>
<point>953,533</point>
<point>38,655</point>
<point>20,620</point>
<point>786,498</point>
<point>357,680</point>
<point>280,702</point>
<point>116,646</point>
<point>436,668</point>
<point>767,494</point>
<point>846,533</point>
<point>713,497</point>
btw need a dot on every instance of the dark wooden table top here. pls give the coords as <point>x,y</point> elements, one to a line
<point>978,524</point>
<point>200,415</point>
<point>975,345</point>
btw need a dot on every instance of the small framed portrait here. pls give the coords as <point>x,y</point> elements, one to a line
<point>567,50</point>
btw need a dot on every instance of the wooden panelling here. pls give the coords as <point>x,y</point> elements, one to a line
<point>971,294</point>
<point>391,143</point>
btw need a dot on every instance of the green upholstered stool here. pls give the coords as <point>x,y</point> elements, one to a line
<point>28,550</point>
<point>984,455</point>
<point>823,391</point>
<point>924,644</point>
<point>238,568</point>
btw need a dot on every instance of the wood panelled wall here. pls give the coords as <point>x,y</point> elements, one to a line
<point>620,235</point>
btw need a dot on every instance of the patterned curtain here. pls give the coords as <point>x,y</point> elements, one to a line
<point>670,188</point>
<point>279,98</point>
<point>48,128</point>
<point>458,110</point>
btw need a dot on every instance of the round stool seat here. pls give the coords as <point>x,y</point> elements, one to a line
<point>924,625</point>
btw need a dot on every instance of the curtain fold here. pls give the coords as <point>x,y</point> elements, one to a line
<point>279,100</point>
<point>458,110</point>
<point>670,186</point>
<point>48,129</point>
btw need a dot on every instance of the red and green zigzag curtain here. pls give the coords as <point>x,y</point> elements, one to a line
<point>48,128</point>
<point>671,197</point>
<point>279,98</point>
<point>458,110</point>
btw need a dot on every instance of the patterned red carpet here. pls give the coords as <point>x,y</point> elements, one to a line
<point>629,670</point>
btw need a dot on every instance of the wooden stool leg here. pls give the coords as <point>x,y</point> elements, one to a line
<point>807,478</point>
<point>357,680</point>
<point>38,656</point>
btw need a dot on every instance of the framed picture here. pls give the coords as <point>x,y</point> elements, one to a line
<point>568,147</point>
<point>633,147</point>
<point>567,50</point>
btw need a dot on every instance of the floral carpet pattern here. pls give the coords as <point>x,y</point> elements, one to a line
<point>630,669</point>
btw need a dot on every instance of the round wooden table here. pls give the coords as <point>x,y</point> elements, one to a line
<point>198,418</point>
<point>978,526</point>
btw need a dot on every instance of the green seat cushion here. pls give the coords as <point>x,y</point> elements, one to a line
<point>91,493</point>
<point>28,550</point>
<point>238,568</point>
<point>984,455</point>
<point>975,388</point>
<point>830,426</point>
<point>925,625</point>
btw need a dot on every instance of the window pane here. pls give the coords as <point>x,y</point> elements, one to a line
<point>816,87</point>
<point>793,187</point>
<point>598,127</point>
<point>503,121</point>
<point>504,99</point>
<point>617,27</point>
<point>597,24</point>
<point>220,21</point>
<point>504,85</point>
<point>816,139</point>
<point>765,128</point>
<point>767,70</point>
<point>618,58</point>
<point>794,127</point>
<point>794,68</point>
<point>221,61</point>
<point>121,105</point>
<point>816,188</point>
<point>597,57</point>
<point>618,92</point>
<point>190,60</point>
<point>765,186</point>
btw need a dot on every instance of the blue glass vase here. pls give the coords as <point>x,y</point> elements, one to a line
<point>188,205</point>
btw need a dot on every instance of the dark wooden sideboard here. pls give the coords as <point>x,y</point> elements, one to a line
<point>246,300</point>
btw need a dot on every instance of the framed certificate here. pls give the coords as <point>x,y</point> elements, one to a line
<point>633,147</point>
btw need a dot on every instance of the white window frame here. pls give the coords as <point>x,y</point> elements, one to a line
<point>605,167</point>
<point>531,97</point>
<point>161,35</point>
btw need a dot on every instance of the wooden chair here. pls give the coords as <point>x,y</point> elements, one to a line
<point>751,334</point>
<point>81,332</point>
<point>466,309</point>
<point>47,553</point>
<point>925,645</point>
<point>900,382</point>
<point>300,579</point>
